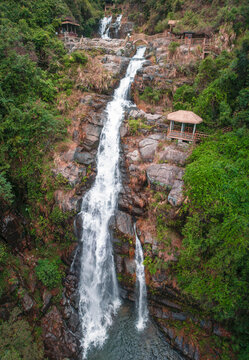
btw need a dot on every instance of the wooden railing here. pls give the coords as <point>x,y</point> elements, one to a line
<point>186,135</point>
<point>203,42</point>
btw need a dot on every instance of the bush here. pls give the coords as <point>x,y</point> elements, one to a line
<point>173,46</point>
<point>79,58</point>
<point>152,96</point>
<point>184,98</point>
<point>48,273</point>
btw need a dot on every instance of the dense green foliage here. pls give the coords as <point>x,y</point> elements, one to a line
<point>220,91</point>
<point>151,96</point>
<point>216,233</point>
<point>214,265</point>
<point>48,273</point>
<point>16,340</point>
<point>192,15</point>
<point>30,60</point>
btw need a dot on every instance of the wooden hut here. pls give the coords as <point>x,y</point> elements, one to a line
<point>69,27</point>
<point>183,125</point>
<point>172,24</point>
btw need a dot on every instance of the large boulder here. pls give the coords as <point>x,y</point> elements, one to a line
<point>163,174</point>
<point>27,302</point>
<point>84,157</point>
<point>148,146</point>
<point>115,64</point>
<point>134,156</point>
<point>175,197</point>
<point>92,134</point>
<point>173,156</point>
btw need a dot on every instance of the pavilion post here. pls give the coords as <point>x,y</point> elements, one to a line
<point>182,127</point>
<point>194,129</point>
<point>171,125</point>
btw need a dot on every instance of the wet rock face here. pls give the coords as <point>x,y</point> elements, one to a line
<point>116,64</point>
<point>84,157</point>
<point>124,223</point>
<point>12,228</point>
<point>123,31</point>
<point>59,343</point>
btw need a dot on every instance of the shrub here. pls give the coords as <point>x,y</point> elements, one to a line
<point>79,58</point>
<point>173,46</point>
<point>152,96</point>
<point>48,273</point>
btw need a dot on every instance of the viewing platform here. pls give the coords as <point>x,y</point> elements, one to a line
<point>183,132</point>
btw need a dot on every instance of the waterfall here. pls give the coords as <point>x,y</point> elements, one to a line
<point>98,289</point>
<point>104,27</point>
<point>141,285</point>
<point>118,24</point>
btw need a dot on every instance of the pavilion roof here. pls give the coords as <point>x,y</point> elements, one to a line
<point>183,116</point>
<point>70,22</point>
<point>173,22</point>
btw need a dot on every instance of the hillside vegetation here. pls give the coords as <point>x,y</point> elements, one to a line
<point>33,67</point>
<point>199,16</point>
<point>213,267</point>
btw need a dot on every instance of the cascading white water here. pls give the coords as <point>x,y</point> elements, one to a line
<point>118,24</point>
<point>99,298</point>
<point>141,285</point>
<point>104,27</point>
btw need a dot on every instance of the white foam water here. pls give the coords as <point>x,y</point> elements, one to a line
<point>118,24</point>
<point>104,27</point>
<point>98,289</point>
<point>141,286</point>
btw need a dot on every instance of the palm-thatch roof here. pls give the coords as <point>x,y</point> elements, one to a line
<point>173,22</point>
<point>184,116</point>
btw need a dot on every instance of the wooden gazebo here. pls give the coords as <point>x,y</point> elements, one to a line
<point>69,27</point>
<point>183,125</point>
<point>172,24</point>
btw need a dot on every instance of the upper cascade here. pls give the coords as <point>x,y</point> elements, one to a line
<point>104,27</point>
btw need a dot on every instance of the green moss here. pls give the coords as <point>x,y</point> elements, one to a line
<point>136,125</point>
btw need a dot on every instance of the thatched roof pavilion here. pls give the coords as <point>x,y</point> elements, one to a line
<point>183,117</point>
<point>69,26</point>
<point>172,23</point>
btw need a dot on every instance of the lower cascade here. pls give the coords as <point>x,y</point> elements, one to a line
<point>141,285</point>
<point>98,288</point>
